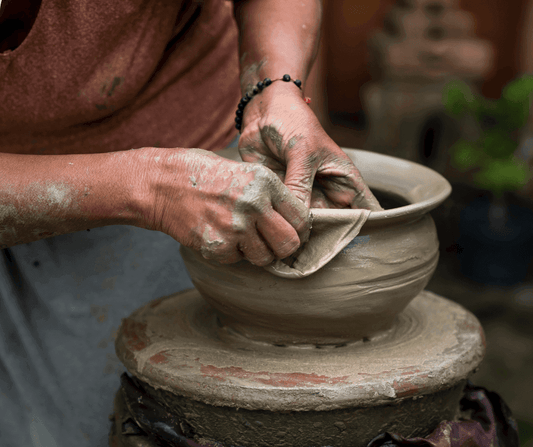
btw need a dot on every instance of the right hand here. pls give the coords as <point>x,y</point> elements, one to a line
<point>224,209</point>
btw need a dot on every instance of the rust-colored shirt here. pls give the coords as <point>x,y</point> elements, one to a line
<point>106,75</point>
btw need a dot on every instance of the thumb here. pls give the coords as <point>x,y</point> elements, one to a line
<point>299,178</point>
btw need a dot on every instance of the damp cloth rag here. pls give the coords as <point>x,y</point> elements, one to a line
<point>332,230</point>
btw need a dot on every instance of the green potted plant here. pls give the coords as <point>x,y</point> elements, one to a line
<point>491,158</point>
<point>496,243</point>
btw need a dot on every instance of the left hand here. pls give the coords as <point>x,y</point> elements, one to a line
<point>281,132</point>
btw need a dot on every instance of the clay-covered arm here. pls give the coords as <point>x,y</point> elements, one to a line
<point>224,209</point>
<point>279,129</point>
<point>48,195</point>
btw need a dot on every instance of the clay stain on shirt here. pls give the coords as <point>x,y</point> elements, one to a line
<point>107,91</point>
<point>99,312</point>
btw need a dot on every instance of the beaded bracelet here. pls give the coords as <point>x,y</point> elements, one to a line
<point>257,89</point>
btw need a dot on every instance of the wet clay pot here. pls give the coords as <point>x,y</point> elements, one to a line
<point>359,293</point>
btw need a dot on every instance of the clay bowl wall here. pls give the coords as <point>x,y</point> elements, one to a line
<point>360,292</point>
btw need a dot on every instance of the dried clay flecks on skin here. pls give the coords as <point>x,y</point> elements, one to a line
<point>233,214</point>
<point>272,133</point>
<point>254,194</point>
<point>44,203</point>
<point>59,196</point>
<point>8,213</point>
<point>211,240</point>
<point>250,74</point>
<point>294,140</point>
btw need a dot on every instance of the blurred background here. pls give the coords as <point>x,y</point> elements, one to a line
<point>379,84</point>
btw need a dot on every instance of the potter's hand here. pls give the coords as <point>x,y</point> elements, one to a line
<point>225,209</point>
<point>281,132</point>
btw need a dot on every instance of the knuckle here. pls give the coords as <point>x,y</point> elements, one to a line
<point>262,173</point>
<point>241,221</point>
<point>221,251</point>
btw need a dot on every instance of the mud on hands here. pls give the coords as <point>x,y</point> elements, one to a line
<point>224,209</point>
<point>282,132</point>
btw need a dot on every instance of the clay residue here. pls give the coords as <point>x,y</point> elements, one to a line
<point>250,74</point>
<point>241,215</point>
<point>135,333</point>
<point>412,359</point>
<point>36,212</point>
<point>256,195</point>
<point>212,240</point>
<point>57,194</point>
<point>8,231</point>
<point>350,427</point>
<point>272,133</point>
<point>294,140</point>
<point>269,378</point>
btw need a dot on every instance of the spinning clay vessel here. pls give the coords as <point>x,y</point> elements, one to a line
<point>357,294</point>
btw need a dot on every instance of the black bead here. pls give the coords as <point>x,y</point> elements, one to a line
<point>245,100</point>
<point>255,90</point>
<point>238,113</point>
<point>238,119</point>
<point>238,126</point>
<point>240,106</point>
<point>298,83</point>
<point>286,78</point>
<point>248,96</point>
<point>260,85</point>
<point>267,81</point>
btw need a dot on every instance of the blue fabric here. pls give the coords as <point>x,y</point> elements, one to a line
<point>61,302</point>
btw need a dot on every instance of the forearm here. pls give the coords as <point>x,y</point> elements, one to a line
<point>43,196</point>
<point>277,37</point>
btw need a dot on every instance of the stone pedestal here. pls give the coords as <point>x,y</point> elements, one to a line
<point>225,388</point>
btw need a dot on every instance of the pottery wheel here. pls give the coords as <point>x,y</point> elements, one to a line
<point>176,344</point>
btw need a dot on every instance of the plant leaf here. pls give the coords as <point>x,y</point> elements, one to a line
<point>502,175</point>
<point>466,155</point>
<point>515,102</point>
<point>457,98</point>
<point>498,144</point>
<point>518,90</point>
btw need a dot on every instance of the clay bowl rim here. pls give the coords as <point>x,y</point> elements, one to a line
<point>426,177</point>
<point>369,163</point>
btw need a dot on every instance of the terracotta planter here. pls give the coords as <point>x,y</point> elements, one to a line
<point>355,296</point>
